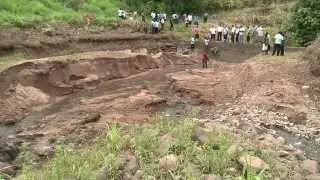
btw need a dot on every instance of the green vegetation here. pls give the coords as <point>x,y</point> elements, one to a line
<point>305,21</point>
<point>22,13</point>
<point>144,142</point>
<point>197,6</point>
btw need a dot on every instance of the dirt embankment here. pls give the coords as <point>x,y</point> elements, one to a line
<point>37,82</point>
<point>64,40</point>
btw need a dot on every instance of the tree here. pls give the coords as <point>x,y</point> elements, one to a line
<point>305,21</point>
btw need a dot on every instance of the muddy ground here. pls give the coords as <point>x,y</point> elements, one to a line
<point>129,77</point>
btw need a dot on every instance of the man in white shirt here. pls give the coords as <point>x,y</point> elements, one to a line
<point>225,33</point>
<point>190,18</point>
<point>153,15</point>
<point>242,30</point>
<point>213,31</point>
<point>220,30</point>
<point>237,32</point>
<point>278,39</point>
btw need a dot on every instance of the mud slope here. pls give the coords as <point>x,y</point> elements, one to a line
<point>41,81</point>
<point>64,40</point>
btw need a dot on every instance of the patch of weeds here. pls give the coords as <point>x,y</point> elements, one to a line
<point>113,166</point>
<point>213,161</point>
<point>249,174</point>
<point>145,144</point>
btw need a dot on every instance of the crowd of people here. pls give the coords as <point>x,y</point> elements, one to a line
<point>233,34</point>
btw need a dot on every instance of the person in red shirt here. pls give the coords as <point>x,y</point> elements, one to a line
<point>205,59</point>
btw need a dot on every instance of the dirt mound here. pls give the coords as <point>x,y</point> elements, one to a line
<point>36,82</point>
<point>256,83</point>
<point>312,54</point>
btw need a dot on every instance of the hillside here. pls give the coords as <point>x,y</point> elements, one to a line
<point>21,12</point>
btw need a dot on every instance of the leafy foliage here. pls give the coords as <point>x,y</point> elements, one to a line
<point>305,21</point>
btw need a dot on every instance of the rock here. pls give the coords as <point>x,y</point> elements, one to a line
<point>310,166</point>
<point>283,154</point>
<point>92,117</point>
<point>6,168</point>
<point>313,177</point>
<point>211,177</point>
<point>169,162</point>
<point>129,163</point>
<point>234,149</point>
<point>138,175</point>
<point>8,122</point>
<point>8,152</point>
<point>102,174</point>
<point>43,149</point>
<point>165,142</point>
<point>299,155</point>
<point>297,177</point>
<point>281,140</point>
<point>186,52</point>
<point>255,163</point>
<point>30,135</point>
<point>200,135</point>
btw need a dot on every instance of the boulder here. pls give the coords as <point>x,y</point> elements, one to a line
<point>6,168</point>
<point>129,163</point>
<point>310,166</point>
<point>200,135</point>
<point>165,142</point>
<point>169,162</point>
<point>102,174</point>
<point>252,162</point>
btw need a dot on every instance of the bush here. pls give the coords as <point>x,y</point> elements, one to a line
<point>305,21</point>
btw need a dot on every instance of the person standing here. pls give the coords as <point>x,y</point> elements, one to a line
<point>225,33</point>
<point>171,24</point>
<point>190,18</point>
<point>220,30</point>
<point>233,32</point>
<point>277,43</point>
<point>206,44</point>
<point>282,44</point>
<point>196,31</point>
<point>242,30</point>
<point>153,16</point>
<point>162,21</point>
<point>266,43</point>
<point>260,33</point>
<point>213,33</point>
<point>205,59</point>
<point>205,17</point>
<point>249,33</point>
<point>237,32</point>
<point>192,43</point>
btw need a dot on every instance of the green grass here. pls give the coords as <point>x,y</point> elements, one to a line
<point>23,13</point>
<point>143,141</point>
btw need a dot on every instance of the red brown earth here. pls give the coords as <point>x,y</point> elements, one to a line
<point>77,96</point>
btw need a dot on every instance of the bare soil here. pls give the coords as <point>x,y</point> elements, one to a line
<point>77,96</point>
